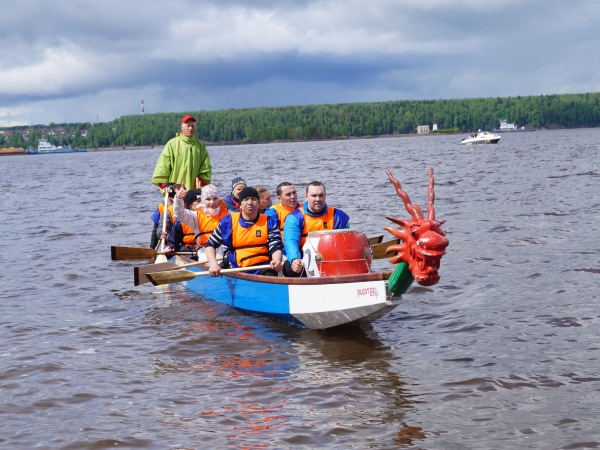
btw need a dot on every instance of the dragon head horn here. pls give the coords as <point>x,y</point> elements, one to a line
<point>430,196</point>
<point>413,209</point>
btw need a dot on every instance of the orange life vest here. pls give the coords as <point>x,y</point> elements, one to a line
<point>250,244</point>
<point>282,213</point>
<point>207,224</point>
<point>161,210</point>
<point>324,222</point>
<point>189,238</point>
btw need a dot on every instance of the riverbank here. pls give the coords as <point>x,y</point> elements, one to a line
<point>12,151</point>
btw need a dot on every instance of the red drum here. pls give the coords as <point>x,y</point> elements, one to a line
<point>330,253</point>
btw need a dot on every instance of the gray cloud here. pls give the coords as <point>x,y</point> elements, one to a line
<point>78,61</point>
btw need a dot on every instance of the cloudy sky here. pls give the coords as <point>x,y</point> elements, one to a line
<point>87,61</point>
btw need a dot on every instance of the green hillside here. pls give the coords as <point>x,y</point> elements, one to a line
<point>345,120</point>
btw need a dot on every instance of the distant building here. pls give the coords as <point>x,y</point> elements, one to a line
<point>423,129</point>
<point>83,133</point>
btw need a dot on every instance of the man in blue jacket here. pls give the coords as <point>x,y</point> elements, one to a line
<point>314,215</point>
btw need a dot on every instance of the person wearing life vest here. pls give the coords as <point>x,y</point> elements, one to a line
<point>264,198</point>
<point>250,238</point>
<point>157,215</point>
<point>232,201</point>
<point>314,215</point>
<point>288,202</point>
<point>181,237</point>
<point>205,218</point>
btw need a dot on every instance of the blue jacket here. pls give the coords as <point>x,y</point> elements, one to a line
<point>233,205</point>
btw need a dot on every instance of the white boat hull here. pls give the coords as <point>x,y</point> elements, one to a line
<point>483,137</point>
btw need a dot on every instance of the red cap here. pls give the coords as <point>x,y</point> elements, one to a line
<point>188,117</point>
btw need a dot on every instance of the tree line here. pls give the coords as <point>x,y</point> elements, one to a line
<point>335,121</point>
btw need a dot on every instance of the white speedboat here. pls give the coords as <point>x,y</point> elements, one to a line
<point>482,137</point>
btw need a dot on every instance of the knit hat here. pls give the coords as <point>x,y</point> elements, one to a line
<point>210,190</point>
<point>191,196</point>
<point>248,191</point>
<point>236,182</point>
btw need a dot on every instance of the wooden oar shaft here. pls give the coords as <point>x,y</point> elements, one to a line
<point>140,272</point>
<point>160,258</point>
<point>177,276</point>
<point>126,253</point>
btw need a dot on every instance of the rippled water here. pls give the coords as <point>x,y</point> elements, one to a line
<point>502,353</point>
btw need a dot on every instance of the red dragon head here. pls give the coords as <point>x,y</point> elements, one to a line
<point>423,241</point>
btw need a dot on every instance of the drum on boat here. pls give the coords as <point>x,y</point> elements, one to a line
<point>337,252</point>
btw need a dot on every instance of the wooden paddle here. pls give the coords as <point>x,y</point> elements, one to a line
<point>375,239</point>
<point>177,276</point>
<point>379,249</point>
<point>139,272</point>
<point>118,253</point>
<point>161,258</point>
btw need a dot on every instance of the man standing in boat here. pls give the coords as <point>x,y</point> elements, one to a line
<point>184,159</point>
<point>250,238</point>
<point>314,215</point>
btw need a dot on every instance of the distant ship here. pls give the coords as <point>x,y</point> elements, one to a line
<point>506,126</point>
<point>45,147</point>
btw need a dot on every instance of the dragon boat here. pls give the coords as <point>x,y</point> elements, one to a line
<point>340,288</point>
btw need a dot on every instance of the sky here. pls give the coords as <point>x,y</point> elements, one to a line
<point>94,61</point>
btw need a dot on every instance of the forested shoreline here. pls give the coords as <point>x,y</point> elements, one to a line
<point>318,122</point>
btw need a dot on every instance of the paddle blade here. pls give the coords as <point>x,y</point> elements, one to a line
<point>126,253</point>
<point>379,250</point>
<point>174,276</point>
<point>375,239</point>
<point>160,258</point>
<point>139,272</point>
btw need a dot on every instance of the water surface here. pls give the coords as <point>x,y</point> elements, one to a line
<point>502,353</point>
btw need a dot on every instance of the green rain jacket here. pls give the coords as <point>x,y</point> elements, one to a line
<point>182,160</point>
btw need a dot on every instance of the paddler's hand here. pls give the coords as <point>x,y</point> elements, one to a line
<point>297,265</point>
<point>181,192</point>
<point>277,265</point>
<point>214,270</point>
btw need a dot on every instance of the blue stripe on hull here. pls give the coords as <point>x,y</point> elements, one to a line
<point>264,299</point>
